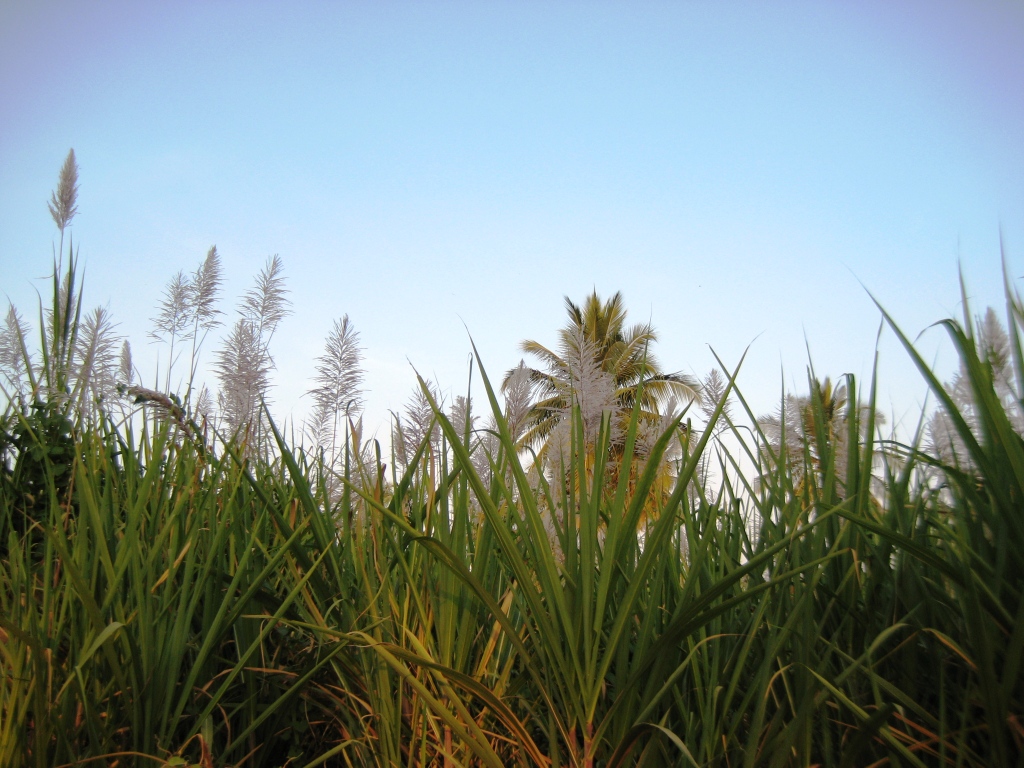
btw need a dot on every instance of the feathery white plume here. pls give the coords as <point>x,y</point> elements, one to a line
<point>63,201</point>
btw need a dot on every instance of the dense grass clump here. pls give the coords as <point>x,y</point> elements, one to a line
<point>170,595</point>
<point>167,600</point>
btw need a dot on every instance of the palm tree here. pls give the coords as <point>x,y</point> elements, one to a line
<point>602,364</point>
<point>811,432</point>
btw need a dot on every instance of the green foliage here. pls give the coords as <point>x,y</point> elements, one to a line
<point>36,457</point>
<point>168,598</point>
<point>170,604</point>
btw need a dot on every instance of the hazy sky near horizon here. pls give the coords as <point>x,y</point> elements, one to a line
<point>741,171</point>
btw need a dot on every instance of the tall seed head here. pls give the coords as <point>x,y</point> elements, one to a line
<point>266,304</point>
<point>417,426</point>
<point>519,390</point>
<point>63,202</point>
<point>97,361</point>
<point>173,319</point>
<point>243,368</point>
<point>339,378</point>
<point>126,368</point>
<point>712,390</point>
<point>205,287</point>
<point>13,361</point>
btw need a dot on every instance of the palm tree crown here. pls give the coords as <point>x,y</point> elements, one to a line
<point>601,364</point>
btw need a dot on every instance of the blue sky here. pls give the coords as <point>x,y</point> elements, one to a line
<point>737,170</point>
